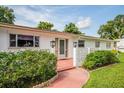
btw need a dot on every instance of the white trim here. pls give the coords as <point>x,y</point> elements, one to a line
<point>33,41</point>
<point>75,56</point>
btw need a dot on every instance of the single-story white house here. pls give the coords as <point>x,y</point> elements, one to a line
<point>120,44</point>
<point>63,45</point>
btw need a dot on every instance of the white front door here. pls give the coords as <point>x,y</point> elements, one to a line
<point>62,47</point>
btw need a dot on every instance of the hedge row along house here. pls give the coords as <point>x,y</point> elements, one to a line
<point>63,45</point>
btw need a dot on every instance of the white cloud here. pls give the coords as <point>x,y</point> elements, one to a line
<point>31,15</point>
<point>84,22</point>
<point>24,23</point>
<point>27,16</point>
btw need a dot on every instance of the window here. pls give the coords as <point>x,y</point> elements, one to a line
<point>24,41</point>
<point>108,45</point>
<point>36,41</point>
<point>62,48</point>
<point>81,43</point>
<point>115,44</point>
<point>97,44</point>
<point>12,40</point>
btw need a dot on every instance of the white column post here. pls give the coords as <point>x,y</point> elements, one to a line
<point>52,45</point>
<point>75,54</point>
<point>52,50</point>
<point>88,50</point>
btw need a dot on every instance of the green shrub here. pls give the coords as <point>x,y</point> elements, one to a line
<point>26,68</point>
<point>116,52</point>
<point>99,58</point>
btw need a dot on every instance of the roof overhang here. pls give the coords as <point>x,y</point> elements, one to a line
<point>36,30</point>
<point>53,32</point>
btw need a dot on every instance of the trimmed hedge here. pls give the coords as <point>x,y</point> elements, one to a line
<point>100,58</point>
<point>26,68</point>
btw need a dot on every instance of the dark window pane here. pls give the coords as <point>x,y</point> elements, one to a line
<point>12,37</point>
<point>62,47</point>
<point>12,44</point>
<point>25,41</point>
<point>108,45</point>
<point>36,41</point>
<point>36,38</point>
<point>115,44</point>
<point>12,40</point>
<point>81,43</point>
<point>97,44</point>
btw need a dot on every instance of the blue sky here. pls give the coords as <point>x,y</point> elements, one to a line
<point>87,18</point>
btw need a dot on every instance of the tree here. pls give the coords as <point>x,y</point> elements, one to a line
<point>45,25</point>
<point>72,28</point>
<point>6,15</point>
<point>113,29</point>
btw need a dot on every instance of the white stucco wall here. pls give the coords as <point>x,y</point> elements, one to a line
<point>120,45</point>
<point>89,47</point>
<point>3,40</point>
<point>91,44</point>
<point>43,44</point>
<point>70,48</point>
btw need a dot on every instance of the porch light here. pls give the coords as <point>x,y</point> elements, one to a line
<point>52,44</point>
<point>74,44</point>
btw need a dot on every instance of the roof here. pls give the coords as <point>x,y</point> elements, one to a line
<point>49,31</point>
<point>32,29</point>
<point>118,40</point>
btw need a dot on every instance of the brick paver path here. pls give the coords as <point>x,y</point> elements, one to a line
<point>73,78</point>
<point>64,64</point>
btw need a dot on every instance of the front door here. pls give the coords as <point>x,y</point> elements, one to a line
<point>62,47</point>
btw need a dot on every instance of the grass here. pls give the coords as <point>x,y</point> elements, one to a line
<point>108,77</point>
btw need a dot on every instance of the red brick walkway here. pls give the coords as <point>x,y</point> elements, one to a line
<point>73,78</point>
<point>64,64</point>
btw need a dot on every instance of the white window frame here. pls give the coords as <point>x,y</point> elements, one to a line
<point>24,35</point>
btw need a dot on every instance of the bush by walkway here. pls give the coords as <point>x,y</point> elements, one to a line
<point>108,77</point>
<point>24,69</point>
<point>100,58</point>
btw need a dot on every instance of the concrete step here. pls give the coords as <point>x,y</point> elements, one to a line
<point>65,68</point>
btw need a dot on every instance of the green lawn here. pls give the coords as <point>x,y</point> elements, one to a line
<point>108,77</point>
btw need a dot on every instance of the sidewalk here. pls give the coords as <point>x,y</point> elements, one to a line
<point>73,78</point>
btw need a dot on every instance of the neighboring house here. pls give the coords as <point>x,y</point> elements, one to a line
<point>120,44</point>
<point>63,45</point>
